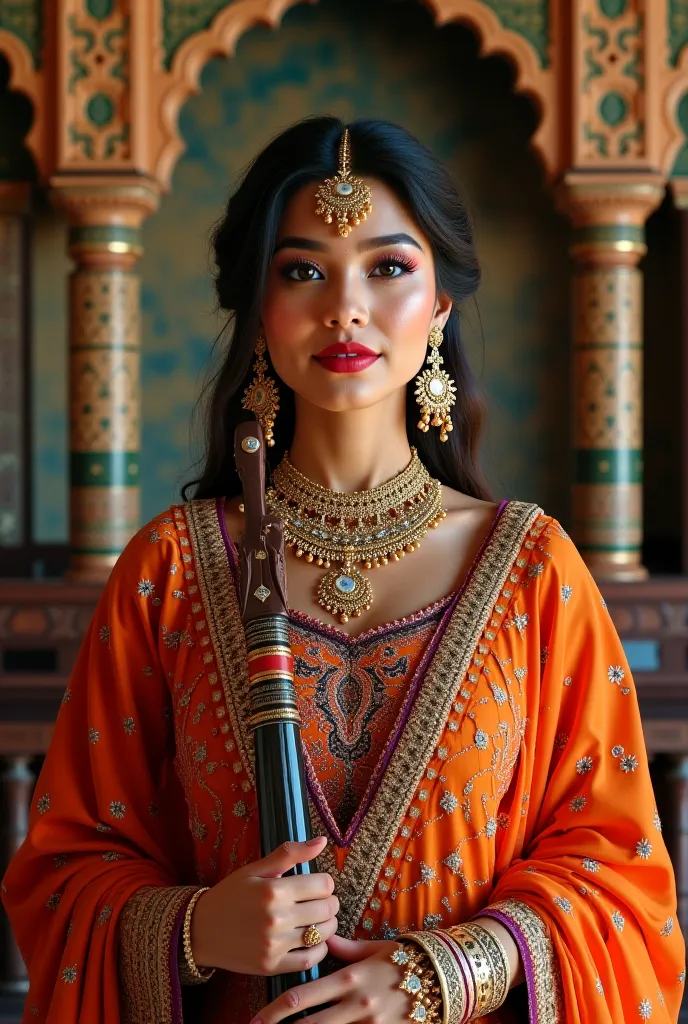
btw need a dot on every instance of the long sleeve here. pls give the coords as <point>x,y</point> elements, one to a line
<point>591,901</point>
<point>97,892</point>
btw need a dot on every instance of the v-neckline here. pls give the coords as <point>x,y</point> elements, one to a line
<point>344,837</point>
<point>445,667</point>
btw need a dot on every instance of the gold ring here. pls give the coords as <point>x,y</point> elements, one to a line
<point>312,937</point>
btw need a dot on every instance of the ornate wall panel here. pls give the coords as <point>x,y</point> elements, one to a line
<point>96,127</point>
<point>612,121</point>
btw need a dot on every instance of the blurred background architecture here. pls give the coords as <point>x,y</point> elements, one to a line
<point>124,124</point>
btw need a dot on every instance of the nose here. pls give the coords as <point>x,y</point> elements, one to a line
<point>347,305</point>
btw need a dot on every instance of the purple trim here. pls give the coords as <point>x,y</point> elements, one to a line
<point>405,712</point>
<point>174,948</point>
<point>523,948</point>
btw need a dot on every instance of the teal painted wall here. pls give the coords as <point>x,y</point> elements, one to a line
<point>385,60</point>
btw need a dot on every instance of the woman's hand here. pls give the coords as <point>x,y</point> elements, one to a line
<point>367,989</point>
<point>253,921</point>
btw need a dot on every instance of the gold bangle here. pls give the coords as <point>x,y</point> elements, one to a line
<point>489,966</point>
<point>420,981</point>
<point>196,973</point>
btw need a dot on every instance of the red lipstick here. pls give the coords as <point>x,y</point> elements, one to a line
<point>346,357</point>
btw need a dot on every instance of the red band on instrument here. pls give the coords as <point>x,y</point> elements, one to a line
<point>280,664</point>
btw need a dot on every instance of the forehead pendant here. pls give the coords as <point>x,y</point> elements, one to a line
<point>344,196</point>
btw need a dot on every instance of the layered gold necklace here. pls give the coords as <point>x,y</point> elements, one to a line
<point>369,527</point>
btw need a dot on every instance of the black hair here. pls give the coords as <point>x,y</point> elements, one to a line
<point>243,244</point>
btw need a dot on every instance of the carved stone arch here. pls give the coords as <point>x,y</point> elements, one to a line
<point>220,39</point>
<point>25,78</point>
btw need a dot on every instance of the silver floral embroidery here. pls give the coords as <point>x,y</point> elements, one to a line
<point>519,621</point>
<point>578,803</point>
<point>146,588</point>
<point>593,866</point>
<point>481,739</point>
<point>566,592</point>
<point>499,694</point>
<point>618,920</point>
<point>93,735</point>
<point>104,915</point>
<point>43,803</point>
<point>491,827</point>
<point>615,674</point>
<point>645,1009</point>
<point>599,986</point>
<point>104,633</point>
<point>564,904</point>
<point>69,974</point>
<point>117,809</point>
<point>427,873</point>
<point>584,765</point>
<point>657,821</point>
<point>628,763</point>
<point>643,848</point>
<point>431,921</point>
<point>54,901</point>
<point>453,862</point>
<point>668,928</point>
<point>129,725</point>
<point>449,802</point>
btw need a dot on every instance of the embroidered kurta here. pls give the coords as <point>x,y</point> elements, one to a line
<point>506,776</point>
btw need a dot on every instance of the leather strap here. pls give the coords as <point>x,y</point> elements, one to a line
<point>261,545</point>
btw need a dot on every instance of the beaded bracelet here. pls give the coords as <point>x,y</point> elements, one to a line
<point>192,973</point>
<point>420,982</point>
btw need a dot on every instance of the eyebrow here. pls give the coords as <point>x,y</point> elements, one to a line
<point>296,242</point>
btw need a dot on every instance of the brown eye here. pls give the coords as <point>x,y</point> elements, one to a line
<point>301,272</point>
<point>387,269</point>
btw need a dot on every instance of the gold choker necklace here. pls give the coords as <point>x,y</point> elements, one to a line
<point>369,527</point>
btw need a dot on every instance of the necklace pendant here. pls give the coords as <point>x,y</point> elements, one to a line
<point>345,592</point>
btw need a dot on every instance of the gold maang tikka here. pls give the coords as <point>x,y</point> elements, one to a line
<point>435,391</point>
<point>261,397</point>
<point>344,196</point>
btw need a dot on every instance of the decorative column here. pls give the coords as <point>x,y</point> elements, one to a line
<point>16,787</point>
<point>104,367</point>
<point>608,213</point>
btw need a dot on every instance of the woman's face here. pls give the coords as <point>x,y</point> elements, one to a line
<point>375,288</point>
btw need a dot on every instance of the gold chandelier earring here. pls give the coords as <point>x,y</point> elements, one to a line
<point>261,397</point>
<point>435,391</point>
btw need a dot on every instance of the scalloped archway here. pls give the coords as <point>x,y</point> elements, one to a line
<point>26,79</point>
<point>220,39</point>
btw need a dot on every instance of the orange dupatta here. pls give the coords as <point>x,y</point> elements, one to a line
<point>514,782</point>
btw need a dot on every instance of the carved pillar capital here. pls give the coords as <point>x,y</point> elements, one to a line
<point>105,216</point>
<point>608,213</point>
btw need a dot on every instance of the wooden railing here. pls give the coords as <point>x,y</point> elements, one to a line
<point>42,625</point>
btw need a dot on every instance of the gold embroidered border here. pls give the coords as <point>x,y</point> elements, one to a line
<point>220,600</point>
<point>542,974</point>
<point>427,720</point>
<point>146,927</point>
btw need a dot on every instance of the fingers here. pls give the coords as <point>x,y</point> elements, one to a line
<point>302,959</point>
<point>303,997</point>
<point>314,912</point>
<point>298,888</point>
<point>287,856</point>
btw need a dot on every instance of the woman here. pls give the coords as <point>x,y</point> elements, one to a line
<point>484,819</point>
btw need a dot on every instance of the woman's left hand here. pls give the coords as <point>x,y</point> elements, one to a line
<point>366,990</point>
